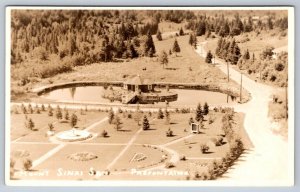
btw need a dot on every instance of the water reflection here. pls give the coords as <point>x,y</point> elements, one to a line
<point>94,94</point>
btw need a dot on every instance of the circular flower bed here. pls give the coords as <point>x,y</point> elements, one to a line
<point>82,156</point>
<point>73,135</point>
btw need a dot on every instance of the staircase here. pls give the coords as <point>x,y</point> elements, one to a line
<point>129,98</point>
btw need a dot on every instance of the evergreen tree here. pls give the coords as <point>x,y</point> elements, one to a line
<point>29,124</point>
<point>158,35</point>
<point>205,109</point>
<point>58,113</point>
<point>149,48</point>
<point>117,122</point>
<point>199,113</point>
<point>111,116</point>
<point>246,55</point>
<point>176,48</point>
<point>50,111</point>
<point>66,116</point>
<point>181,33</point>
<point>72,44</point>
<point>146,125</point>
<point>74,120</point>
<point>209,57</point>
<point>43,107</point>
<point>30,110</point>
<point>50,126</point>
<point>160,114</point>
<point>163,58</point>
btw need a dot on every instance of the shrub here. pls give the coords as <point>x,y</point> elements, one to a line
<point>50,127</point>
<point>169,165</point>
<point>169,133</point>
<point>104,133</point>
<point>204,148</point>
<point>182,158</point>
<point>279,66</point>
<point>27,164</point>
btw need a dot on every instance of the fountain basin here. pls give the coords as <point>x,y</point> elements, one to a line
<point>73,135</point>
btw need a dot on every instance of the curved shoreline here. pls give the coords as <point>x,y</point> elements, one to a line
<point>221,88</point>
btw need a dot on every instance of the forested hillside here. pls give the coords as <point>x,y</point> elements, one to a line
<point>47,42</point>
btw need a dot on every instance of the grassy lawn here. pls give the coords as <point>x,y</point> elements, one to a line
<point>107,149</point>
<point>129,128</point>
<point>256,44</point>
<point>104,154</point>
<point>18,129</point>
<point>153,157</point>
<point>158,128</point>
<point>32,151</point>
<point>187,67</point>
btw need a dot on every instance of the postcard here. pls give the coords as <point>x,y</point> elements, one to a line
<point>140,96</point>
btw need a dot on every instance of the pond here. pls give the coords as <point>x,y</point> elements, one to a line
<point>186,97</point>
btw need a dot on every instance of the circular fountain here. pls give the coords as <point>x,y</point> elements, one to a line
<point>73,135</point>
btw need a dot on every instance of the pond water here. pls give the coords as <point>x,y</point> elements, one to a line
<point>186,97</point>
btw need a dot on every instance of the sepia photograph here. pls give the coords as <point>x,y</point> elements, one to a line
<point>160,96</point>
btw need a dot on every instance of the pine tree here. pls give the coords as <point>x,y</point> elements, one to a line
<point>246,55</point>
<point>50,126</point>
<point>176,48</point>
<point>205,109</point>
<point>43,107</point>
<point>111,116</point>
<point>58,113</point>
<point>160,114</point>
<point>146,125</point>
<point>66,116</point>
<point>209,57</point>
<point>29,124</point>
<point>117,122</point>
<point>149,48</point>
<point>158,35</point>
<point>72,44</point>
<point>74,120</point>
<point>50,111</point>
<point>163,58</point>
<point>30,110</point>
<point>199,113</point>
<point>181,33</point>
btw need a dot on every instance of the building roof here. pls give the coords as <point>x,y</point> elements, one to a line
<point>138,80</point>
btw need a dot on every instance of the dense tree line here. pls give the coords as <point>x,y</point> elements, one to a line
<point>228,50</point>
<point>93,35</point>
<point>224,27</point>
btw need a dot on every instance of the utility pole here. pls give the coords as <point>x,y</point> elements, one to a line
<point>227,70</point>
<point>241,87</point>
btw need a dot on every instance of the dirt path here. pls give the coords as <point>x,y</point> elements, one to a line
<point>268,161</point>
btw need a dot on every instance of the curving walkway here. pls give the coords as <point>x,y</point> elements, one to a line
<point>268,162</point>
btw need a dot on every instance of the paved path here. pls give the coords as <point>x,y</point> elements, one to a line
<point>61,146</point>
<point>268,161</point>
<point>125,148</point>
